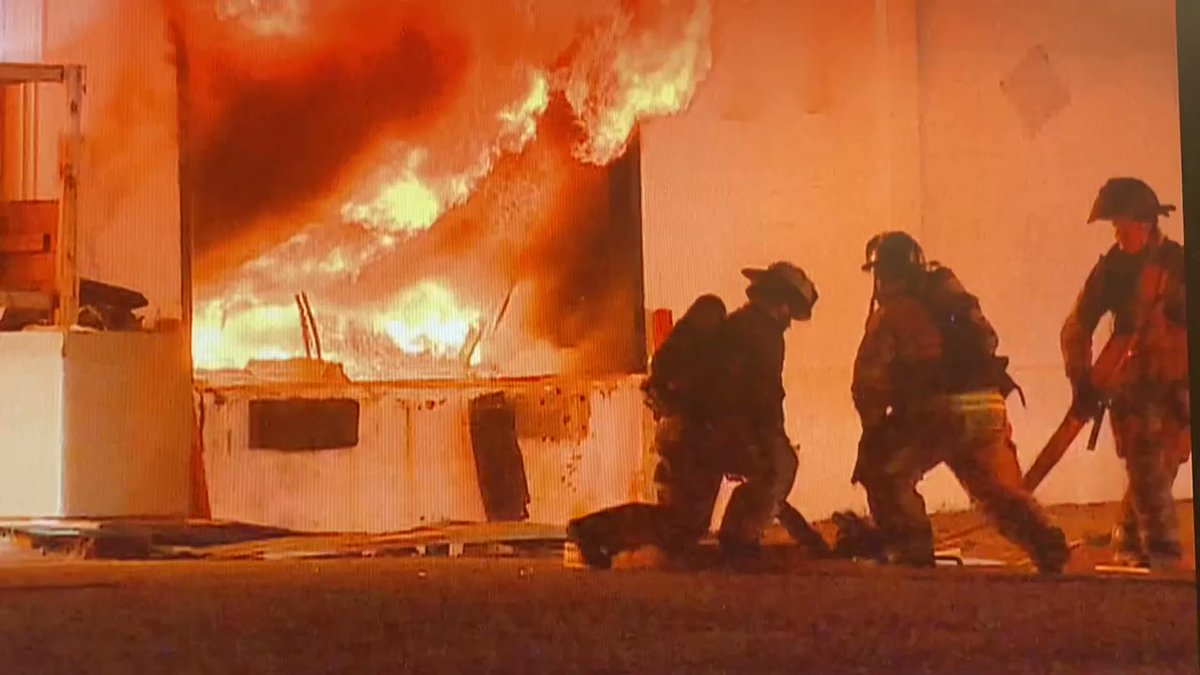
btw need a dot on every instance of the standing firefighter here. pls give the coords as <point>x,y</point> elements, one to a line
<point>1140,280</point>
<point>929,389</point>
<point>716,391</point>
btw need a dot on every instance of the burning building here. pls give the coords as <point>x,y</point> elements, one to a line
<point>440,203</point>
<point>415,243</point>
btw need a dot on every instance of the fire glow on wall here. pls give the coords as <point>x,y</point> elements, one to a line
<point>454,188</point>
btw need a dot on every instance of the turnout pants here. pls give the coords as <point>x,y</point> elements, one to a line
<point>971,434</point>
<point>1153,443</point>
<point>693,461</point>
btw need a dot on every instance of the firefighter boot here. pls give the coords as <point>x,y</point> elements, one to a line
<point>586,533</point>
<point>1051,552</point>
<point>1126,544</point>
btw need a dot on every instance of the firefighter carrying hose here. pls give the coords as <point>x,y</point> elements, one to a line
<point>929,389</point>
<point>1140,281</point>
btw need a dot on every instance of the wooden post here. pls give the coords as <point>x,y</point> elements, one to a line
<point>68,225</point>
<point>187,196</point>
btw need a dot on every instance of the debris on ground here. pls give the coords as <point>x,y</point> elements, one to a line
<point>206,540</point>
<point>964,541</point>
<point>123,539</point>
<point>446,540</point>
<point>1088,528</point>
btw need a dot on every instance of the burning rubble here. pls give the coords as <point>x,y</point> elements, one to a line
<point>452,187</point>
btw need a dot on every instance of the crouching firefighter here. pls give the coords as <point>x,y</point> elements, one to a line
<point>1140,280</point>
<point>716,392</point>
<point>929,389</point>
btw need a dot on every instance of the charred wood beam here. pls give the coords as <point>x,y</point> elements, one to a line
<point>304,329</point>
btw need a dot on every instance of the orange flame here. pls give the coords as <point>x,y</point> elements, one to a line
<point>222,339</point>
<point>626,70</point>
<point>266,18</point>
<point>426,320</point>
<point>409,203</point>
<point>404,204</point>
<point>624,73</point>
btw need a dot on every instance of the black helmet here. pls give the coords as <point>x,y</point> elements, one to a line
<point>1128,198</point>
<point>788,282</point>
<point>890,254</point>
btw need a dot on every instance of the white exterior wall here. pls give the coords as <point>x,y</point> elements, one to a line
<point>127,426</point>
<point>1007,206</point>
<point>20,41</point>
<point>90,425</point>
<point>113,434</point>
<point>414,462</point>
<point>31,424</point>
<point>824,123</point>
<point>129,211</point>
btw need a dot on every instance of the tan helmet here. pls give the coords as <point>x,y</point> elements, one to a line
<point>790,282</point>
<point>1128,198</point>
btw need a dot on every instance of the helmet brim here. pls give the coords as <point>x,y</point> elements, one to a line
<point>800,306</point>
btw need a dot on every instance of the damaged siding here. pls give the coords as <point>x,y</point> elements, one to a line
<point>581,448</point>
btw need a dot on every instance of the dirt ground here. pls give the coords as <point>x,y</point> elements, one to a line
<point>509,615</point>
<point>1089,525</point>
<point>476,615</point>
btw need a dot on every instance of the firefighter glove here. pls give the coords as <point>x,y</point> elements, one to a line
<point>1086,399</point>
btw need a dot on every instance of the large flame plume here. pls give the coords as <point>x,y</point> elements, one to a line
<point>435,177</point>
<point>636,65</point>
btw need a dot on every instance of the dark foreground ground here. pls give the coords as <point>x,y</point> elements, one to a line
<point>533,616</point>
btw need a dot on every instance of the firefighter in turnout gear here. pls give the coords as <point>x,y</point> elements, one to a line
<point>929,389</point>
<point>1140,282</point>
<point>762,456</point>
<point>716,391</point>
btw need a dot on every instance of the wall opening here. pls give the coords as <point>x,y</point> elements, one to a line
<point>388,200</point>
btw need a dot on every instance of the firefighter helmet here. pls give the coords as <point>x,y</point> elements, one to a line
<point>1128,198</point>
<point>788,282</point>
<point>890,254</point>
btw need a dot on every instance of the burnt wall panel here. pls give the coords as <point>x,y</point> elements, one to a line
<point>499,466</point>
<point>625,191</point>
